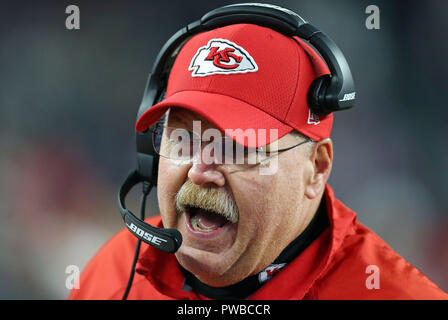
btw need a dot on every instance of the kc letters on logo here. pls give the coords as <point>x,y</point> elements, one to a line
<point>221,56</point>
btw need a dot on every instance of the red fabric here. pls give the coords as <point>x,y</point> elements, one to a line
<point>332,267</point>
<point>272,97</point>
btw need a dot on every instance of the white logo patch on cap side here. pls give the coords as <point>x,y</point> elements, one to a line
<point>221,56</point>
<point>313,118</point>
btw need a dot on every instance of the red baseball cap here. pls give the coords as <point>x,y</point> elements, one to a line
<point>245,76</point>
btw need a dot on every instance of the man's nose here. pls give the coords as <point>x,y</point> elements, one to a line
<point>206,174</point>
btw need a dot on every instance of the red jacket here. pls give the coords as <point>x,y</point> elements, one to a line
<point>335,266</point>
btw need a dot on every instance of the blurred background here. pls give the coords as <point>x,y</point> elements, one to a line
<point>69,98</point>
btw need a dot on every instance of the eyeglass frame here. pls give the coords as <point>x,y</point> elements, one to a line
<point>268,153</point>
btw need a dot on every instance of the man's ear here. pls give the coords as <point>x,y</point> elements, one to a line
<point>321,158</point>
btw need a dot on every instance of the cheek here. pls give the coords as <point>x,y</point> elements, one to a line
<point>258,199</point>
<point>273,200</point>
<point>170,179</point>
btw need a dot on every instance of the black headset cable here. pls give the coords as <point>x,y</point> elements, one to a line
<point>146,189</point>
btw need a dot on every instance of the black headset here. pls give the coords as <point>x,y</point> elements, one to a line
<point>327,94</point>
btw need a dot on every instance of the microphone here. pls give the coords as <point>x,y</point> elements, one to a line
<point>168,240</point>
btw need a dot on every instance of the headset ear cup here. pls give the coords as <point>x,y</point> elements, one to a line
<point>316,95</point>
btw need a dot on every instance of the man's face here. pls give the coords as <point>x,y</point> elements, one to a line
<point>272,209</point>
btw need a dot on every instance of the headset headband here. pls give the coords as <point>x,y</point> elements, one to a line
<point>327,93</point>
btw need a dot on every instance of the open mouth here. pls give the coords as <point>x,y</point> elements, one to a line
<point>205,221</point>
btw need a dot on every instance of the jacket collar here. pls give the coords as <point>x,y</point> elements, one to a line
<point>162,270</point>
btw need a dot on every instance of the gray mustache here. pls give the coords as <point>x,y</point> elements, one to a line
<point>211,199</point>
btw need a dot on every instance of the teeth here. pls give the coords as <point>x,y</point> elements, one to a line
<point>194,224</point>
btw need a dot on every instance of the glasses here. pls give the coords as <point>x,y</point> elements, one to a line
<point>184,146</point>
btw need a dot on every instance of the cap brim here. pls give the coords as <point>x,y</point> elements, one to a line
<point>224,112</point>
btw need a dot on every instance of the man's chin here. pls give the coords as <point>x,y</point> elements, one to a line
<point>213,269</point>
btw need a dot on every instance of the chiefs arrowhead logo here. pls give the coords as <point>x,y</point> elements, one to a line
<point>269,272</point>
<point>221,56</point>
